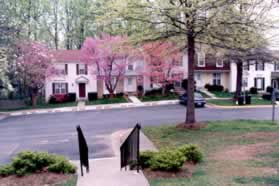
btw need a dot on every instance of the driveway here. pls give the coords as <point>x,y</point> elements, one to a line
<point>56,133</point>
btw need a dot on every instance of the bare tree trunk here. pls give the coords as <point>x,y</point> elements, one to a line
<point>34,97</point>
<point>238,78</point>
<point>190,114</point>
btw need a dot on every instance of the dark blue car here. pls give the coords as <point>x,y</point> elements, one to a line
<point>198,98</point>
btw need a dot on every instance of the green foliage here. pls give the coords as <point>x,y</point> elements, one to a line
<point>192,153</point>
<point>145,158</point>
<point>167,160</point>
<point>62,165</point>
<point>6,170</point>
<point>30,162</point>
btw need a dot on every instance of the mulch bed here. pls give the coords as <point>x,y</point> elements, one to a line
<point>186,172</point>
<point>39,179</point>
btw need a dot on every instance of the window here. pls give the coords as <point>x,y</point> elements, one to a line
<point>276,66</point>
<point>130,81</point>
<point>246,66</point>
<point>201,60</point>
<point>259,66</point>
<point>219,62</point>
<point>216,78</point>
<point>60,88</point>
<point>82,69</point>
<point>62,69</point>
<point>130,67</point>
<point>260,83</point>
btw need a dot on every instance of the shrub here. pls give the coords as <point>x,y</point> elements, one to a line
<point>269,90</point>
<point>6,170</point>
<point>30,162</point>
<point>140,88</point>
<point>92,96</point>
<point>167,160</point>
<point>119,95</point>
<point>58,98</point>
<point>267,97</point>
<point>72,97</point>
<point>206,86</point>
<point>154,92</point>
<point>192,153</point>
<point>145,158</point>
<point>253,90</point>
<point>61,165</point>
<point>218,88</point>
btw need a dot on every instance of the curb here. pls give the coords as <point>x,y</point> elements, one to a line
<point>237,107</point>
<point>90,108</point>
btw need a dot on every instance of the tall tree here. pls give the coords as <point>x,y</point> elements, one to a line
<point>34,67</point>
<point>109,55</point>
<point>163,60</point>
<point>189,22</point>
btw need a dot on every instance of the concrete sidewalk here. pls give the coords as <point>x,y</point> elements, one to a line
<point>107,171</point>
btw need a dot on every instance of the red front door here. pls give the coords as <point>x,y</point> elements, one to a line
<point>82,90</point>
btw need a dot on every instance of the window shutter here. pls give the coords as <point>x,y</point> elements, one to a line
<point>66,87</point>
<point>263,65</point>
<point>66,69</point>
<point>263,82</point>
<point>255,83</point>
<point>86,69</point>
<point>77,69</point>
<point>53,88</point>
<point>256,65</point>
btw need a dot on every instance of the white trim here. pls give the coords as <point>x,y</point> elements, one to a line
<point>222,62</point>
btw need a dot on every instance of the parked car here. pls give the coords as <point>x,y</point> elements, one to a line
<point>198,98</point>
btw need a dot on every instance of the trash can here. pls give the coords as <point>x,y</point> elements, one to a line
<point>240,100</point>
<point>248,100</point>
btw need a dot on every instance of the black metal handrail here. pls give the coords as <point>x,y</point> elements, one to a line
<point>130,149</point>
<point>83,151</point>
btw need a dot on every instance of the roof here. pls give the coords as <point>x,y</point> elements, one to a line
<point>67,55</point>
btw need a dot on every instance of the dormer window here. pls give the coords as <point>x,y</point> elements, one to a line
<point>201,60</point>
<point>219,62</point>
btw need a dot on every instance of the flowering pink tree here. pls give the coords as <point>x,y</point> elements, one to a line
<point>33,66</point>
<point>162,63</point>
<point>109,55</point>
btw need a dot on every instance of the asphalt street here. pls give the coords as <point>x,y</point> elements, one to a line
<point>56,133</point>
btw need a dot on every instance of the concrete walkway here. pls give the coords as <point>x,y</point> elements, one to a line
<point>134,99</point>
<point>107,171</point>
<point>212,96</point>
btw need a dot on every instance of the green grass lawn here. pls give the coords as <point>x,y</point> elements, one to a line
<point>41,106</point>
<point>222,94</point>
<point>236,153</point>
<point>229,102</point>
<point>107,101</point>
<point>160,97</point>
